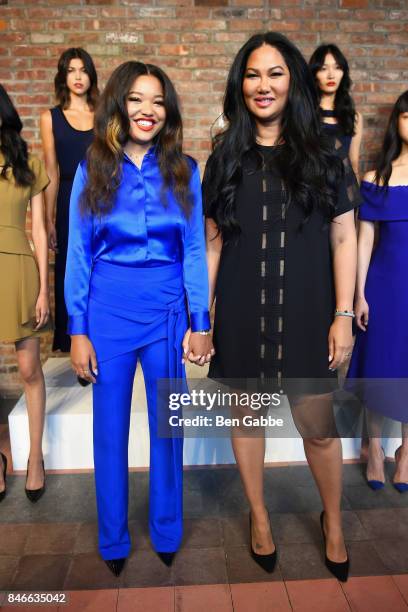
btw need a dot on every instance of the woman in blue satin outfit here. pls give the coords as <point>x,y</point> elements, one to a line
<point>136,287</point>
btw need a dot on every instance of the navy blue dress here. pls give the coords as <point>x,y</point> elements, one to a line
<point>70,147</point>
<point>378,371</point>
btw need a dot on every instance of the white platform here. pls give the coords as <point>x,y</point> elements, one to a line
<point>68,429</point>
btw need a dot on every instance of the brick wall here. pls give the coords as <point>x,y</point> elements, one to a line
<point>195,40</point>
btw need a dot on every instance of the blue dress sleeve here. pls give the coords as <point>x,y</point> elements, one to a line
<point>195,270</point>
<point>79,259</point>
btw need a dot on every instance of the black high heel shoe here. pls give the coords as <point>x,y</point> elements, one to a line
<point>35,494</point>
<point>3,493</point>
<point>267,562</point>
<point>166,557</point>
<point>116,565</point>
<point>339,569</point>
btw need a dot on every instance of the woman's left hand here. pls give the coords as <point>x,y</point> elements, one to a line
<point>340,341</point>
<point>42,310</point>
<point>197,348</point>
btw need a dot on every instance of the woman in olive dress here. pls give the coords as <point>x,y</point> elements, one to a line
<point>24,305</point>
<point>282,262</point>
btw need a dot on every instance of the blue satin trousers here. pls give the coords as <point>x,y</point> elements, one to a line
<point>135,314</point>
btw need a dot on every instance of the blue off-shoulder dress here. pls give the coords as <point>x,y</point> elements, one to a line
<point>380,357</point>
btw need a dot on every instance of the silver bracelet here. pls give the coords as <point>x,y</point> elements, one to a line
<point>203,332</point>
<point>344,313</point>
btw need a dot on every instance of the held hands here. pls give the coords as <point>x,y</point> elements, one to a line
<point>361,310</point>
<point>197,348</point>
<point>82,356</point>
<point>340,341</point>
<point>42,311</point>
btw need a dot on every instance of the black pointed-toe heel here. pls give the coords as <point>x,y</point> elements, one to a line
<point>116,565</point>
<point>35,494</point>
<point>166,557</point>
<point>339,569</point>
<point>267,562</point>
<point>3,493</point>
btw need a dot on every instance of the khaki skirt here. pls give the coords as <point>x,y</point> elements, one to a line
<point>19,289</point>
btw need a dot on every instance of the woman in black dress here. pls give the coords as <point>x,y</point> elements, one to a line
<point>66,133</point>
<point>340,119</point>
<point>282,258</point>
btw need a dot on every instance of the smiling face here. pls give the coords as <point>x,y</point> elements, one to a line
<point>145,107</point>
<point>266,84</point>
<point>78,81</point>
<point>329,76</point>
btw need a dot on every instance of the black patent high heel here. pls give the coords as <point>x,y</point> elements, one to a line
<point>339,569</point>
<point>3,493</point>
<point>267,562</point>
<point>116,565</point>
<point>34,494</point>
<point>166,557</point>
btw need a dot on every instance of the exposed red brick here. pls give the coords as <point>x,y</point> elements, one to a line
<point>354,3</point>
<point>211,2</point>
<point>195,41</point>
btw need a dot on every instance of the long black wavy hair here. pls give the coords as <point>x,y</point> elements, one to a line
<point>392,142</point>
<point>12,145</point>
<point>343,102</point>
<point>309,170</point>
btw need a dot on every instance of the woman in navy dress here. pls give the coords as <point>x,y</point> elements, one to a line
<point>66,133</point>
<point>340,119</point>
<point>381,347</point>
<point>136,279</point>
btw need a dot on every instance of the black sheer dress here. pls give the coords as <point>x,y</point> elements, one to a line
<point>341,141</point>
<point>275,296</point>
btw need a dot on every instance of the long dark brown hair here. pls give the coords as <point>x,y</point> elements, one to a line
<point>12,145</point>
<point>62,92</point>
<point>392,143</point>
<point>105,155</point>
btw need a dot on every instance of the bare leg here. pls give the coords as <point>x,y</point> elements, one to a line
<point>325,461</point>
<point>324,456</point>
<point>401,471</point>
<point>375,460</point>
<point>29,365</point>
<point>249,451</point>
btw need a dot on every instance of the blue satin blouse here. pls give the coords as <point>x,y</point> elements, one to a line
<point>140,230</point>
